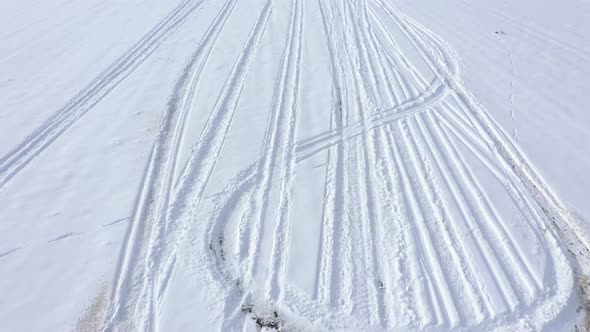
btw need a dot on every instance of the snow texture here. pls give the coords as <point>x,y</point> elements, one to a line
<point>338,165</point>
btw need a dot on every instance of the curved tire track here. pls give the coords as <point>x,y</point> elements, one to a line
<point>133,290</point>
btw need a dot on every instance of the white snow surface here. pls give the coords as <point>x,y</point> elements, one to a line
<point>300,165</point>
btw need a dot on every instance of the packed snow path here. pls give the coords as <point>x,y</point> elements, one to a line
<point>340,175</point>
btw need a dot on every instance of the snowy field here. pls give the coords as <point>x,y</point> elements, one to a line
<point>302,165</point>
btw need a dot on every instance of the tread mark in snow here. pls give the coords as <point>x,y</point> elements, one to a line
<point>440,197</point>
<point>34,144</point>
<point>411,234</point>
<point>152,214</point>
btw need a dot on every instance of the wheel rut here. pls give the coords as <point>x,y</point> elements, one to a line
<point>425,202</point>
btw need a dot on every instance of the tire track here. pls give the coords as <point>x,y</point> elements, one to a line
<point>381,233</point>
<point>488,212</point>
<point>467,278</point>
<point>418,116</point>
<point>511,303</point>
<point>205,153</point>
<point>461,256</point>
<point>510,184</point>
<point>381,131</point>
<point>410,237</point>
<point>335,276</point>
<point>410,296</point>
<point>446,309</point>
<point>158,272</point>
<point>390,172</point>
<point>275,144</point>
<point>422,292</point>
<point>273,147</point>
<point>204,157</point>
<point>433,57</point>
<point>431,96</point>
<point>163,244</point>
<point>344,291</point>
<point>540,197</point>
<point>277,156</point>
<point>398,62</point>
<point>368,298</point>
<point>480,244</point>
<point>456,318</point>
<point>151,210</point>
<point>310,147</point>
<point>375,141</point>
<point>376,152</point>
<point>276,281</point>
<point>36,142</point>
<point>503,172</point>
<point>326,256</point>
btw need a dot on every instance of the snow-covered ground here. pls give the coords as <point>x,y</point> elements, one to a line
<point>297,165</point>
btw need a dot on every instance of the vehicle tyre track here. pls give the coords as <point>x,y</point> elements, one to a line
<point>151,210</point>
<point>410,237</point>
<point>35,143</point>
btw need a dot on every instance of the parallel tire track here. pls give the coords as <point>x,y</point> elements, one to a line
<point>35,143</point>
<point>134,281</point>
<point>410,237</point>
<point>205,154</point>
<point>368,297</point>
<point>276,281</point>
<point>273,149</point>
<point>335,272</point>
<point>521,195</point>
